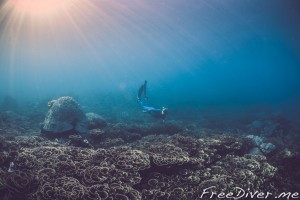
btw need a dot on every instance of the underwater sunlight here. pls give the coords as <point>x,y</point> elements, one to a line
<point>149,99</point>
<point>38,8</point>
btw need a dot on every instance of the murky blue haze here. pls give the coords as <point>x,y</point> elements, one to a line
<point>228,70</point>
<point>224,55</point>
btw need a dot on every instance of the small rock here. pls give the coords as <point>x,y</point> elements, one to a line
<point>267,148</point>
<point>255,139</point>
<point>95,121</point>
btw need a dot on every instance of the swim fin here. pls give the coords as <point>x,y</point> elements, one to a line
<point>145,90</point>
<point>140,92</point>
<point>142,89</point>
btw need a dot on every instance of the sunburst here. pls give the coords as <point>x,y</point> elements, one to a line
<point>40,7</point>
<point>37,25</point>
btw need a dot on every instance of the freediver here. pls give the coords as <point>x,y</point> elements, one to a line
<point>154,112</point>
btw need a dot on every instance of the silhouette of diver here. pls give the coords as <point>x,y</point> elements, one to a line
<point>154,112</point>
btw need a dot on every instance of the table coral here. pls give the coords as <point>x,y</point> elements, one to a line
<point>155,167</point>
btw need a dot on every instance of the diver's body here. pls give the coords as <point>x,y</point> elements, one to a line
<point>154,112</point>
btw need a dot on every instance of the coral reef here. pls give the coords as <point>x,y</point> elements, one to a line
<point>12,123</point>
<point>64,114</point>
<point>274,125</point>
<point>59,172</point>
<point>154,167</point>
<point>139,160</point>
<point>166,128</point>
<point>120,133</point>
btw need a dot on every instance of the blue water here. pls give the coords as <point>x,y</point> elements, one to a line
<point>194,54</point>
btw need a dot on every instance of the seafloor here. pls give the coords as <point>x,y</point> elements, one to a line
<point>132,159</point>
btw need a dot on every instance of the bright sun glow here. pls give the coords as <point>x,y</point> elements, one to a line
<point>39,6</point>
<point>39,31</point>
<point>36,28</point>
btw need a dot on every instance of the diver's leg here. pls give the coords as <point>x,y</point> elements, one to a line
<point>145,89</point>
<point>142,102</point>
<point>140,92</point>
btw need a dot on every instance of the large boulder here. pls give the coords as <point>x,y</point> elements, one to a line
<point>64,114</point>
<point>95,121</point>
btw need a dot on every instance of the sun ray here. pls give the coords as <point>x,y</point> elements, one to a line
<point>36,24</point>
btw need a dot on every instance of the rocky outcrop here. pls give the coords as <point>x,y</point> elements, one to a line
<point>260,148</point>
<point>64,114</point>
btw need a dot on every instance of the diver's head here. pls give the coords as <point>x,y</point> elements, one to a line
<point>164,111</point>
